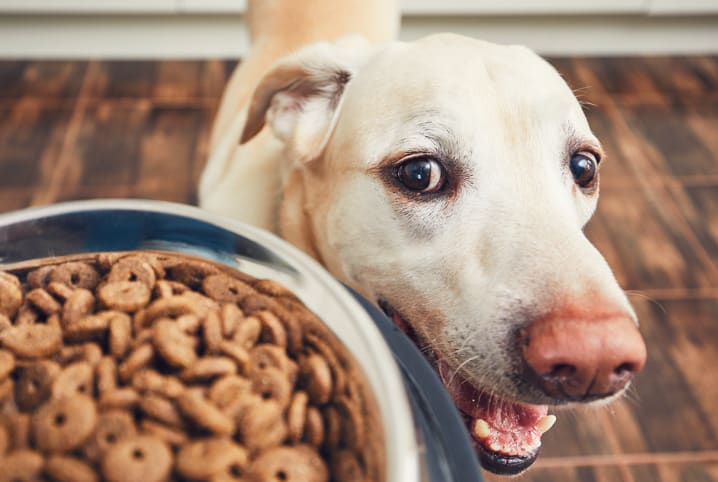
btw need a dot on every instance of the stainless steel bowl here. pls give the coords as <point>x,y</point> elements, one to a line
<point>114,225</point>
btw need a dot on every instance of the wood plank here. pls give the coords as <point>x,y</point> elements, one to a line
<point>29,132</point>
<point>173,81</point>
<point>676,149</point>
<point>656,472</point>
<point>47,79</point>
<point>169,152</point>
<point>699,204</point>
<point>647,248</point>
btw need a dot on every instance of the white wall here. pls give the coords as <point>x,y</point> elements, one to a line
<point>214,28</point>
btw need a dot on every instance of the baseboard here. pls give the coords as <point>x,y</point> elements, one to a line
<point>224,36</point>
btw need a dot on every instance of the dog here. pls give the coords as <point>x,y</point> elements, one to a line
<point>447,180</point>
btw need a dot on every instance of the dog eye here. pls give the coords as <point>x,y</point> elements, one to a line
<point>583,168</point>
<point>421,174</point>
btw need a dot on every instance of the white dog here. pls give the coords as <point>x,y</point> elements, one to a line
<point>448,180</point>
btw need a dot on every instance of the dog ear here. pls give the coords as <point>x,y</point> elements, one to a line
<point>299,98</point>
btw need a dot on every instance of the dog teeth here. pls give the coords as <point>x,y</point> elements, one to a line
<point>545,423</point>
<point>481,428</point>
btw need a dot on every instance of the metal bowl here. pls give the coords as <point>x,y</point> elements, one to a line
<point>425,435</point>
<point>118,225</point>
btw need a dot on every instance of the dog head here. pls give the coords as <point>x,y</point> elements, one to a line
<point>449,180</point>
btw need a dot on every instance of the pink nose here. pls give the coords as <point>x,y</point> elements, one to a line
<point>583,358</point>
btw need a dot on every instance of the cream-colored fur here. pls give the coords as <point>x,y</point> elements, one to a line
<point>501,247</point>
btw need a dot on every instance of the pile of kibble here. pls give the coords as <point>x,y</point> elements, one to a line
<point>153,367</point>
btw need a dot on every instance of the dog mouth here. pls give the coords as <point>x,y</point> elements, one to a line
<point>506,433</point>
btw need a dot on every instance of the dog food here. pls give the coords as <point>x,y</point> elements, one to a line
<point>152,367</point>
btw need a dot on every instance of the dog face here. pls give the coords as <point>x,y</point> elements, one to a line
<point>449,180</point>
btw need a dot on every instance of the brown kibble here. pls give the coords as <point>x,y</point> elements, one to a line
<point>206,458</point>
<point>167,288</point>
<point>203,414</point>
<point>297,416</point>
<point>247,332</point>
<point>171,436</point>
<point>80,304</point>
<point>133,268</point>
<point>161,410</point>
<point>7,364</point>
<point>189,323</point>
<point>19,427</point>
<point>22,466</point>
<point>140,458</point>
<point>314,427</point>
<point>61,290</point>
<point>120,334</point>
<point>226,289</point>
<point>316,376</point>
<point>139,358</point>
<point>7,387</point>
<point>69,469</point>
<point>353,430</point>
<point>151,381</point>
<point>237,353</point>
<point>126,296</point>
<point>272,384</point>
<point>231,316</point>
<point>330,357</point>
<point>75,275</point>
<point>149,366</point>
<point>64,424</point>
<point>265,356</point>
<point>272,288</point>
<point>5,323</point>
<point>261,425</point>
<point>74,379</point>
<point>34,385</point>
<point>106,260</point>
<point>121,398</point>
<point>39,278</point>
<point>227,389</point>
<point>272,329</point>
<point>113,426</point>
<point>91,353</point>
<point>299,463</point>
<point>170,308</point>
<point>332,427</point>
<point>207,368</point>
<point>32,341</point>
<point>212,332</point>
<point>346,467</point>
<point>106,375</point>
<point>4,440</point>
<point>190,273</point>
<point>89,327</point>
<point>174,346</point>
<point>43,301</point>
<point>10,294</point>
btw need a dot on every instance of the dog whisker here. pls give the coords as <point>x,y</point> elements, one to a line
<point>639,294</point>
<point>458,369</point>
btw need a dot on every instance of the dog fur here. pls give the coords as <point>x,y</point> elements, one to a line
<point>500,247</point>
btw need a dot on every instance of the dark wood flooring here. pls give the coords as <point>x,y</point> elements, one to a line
<point>76,130</point>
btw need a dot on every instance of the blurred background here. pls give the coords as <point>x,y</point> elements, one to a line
<point>115,98</point>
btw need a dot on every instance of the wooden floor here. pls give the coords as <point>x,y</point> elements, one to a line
<point>76,130</point>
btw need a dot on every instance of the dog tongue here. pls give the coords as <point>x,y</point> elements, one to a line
<point>501,426</point>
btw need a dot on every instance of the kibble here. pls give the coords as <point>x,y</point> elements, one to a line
<point>159,367</point>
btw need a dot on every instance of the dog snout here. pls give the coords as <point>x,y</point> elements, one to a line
<point>583,358</point>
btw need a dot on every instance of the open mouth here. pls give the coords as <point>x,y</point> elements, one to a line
<point>506,433</point>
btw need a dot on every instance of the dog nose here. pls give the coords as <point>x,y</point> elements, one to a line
<point>583,359</point>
